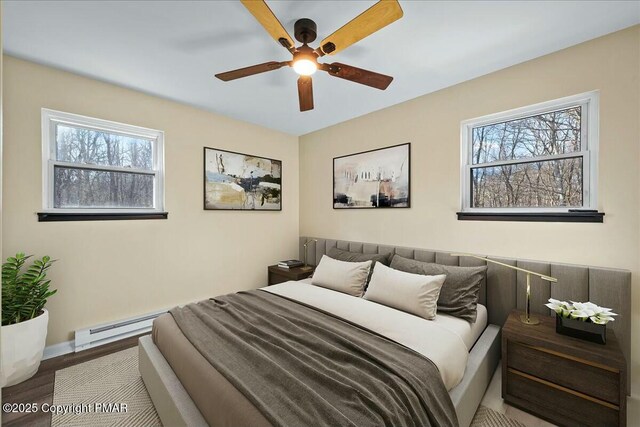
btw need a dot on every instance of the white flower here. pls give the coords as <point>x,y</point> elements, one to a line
<point>555,305</point>
<point>601,320</point>
<point>561,307</point>
<point>580,314</point>
<point>587,305</point>
<point>582,311</point>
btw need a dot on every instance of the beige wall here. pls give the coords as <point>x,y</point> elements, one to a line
<point>432,124</point>
<point>116,269</point>
<point>109,270</point>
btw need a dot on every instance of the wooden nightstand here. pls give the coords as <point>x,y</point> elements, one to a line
<point>278,275</point>
<point>567,381</point>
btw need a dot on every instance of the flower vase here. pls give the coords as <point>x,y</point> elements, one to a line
<point>580,329</point>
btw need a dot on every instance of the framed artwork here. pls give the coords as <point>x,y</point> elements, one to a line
<point>377,178</point>
<point>238,181</point>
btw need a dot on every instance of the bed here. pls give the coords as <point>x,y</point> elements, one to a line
<point>181,381</point>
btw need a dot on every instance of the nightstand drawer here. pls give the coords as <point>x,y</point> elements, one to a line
<point>275,278</point>
<point>560,405</point>
<point>588,378</point>
<point>277,274</point>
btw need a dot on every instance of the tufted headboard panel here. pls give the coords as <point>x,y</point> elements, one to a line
<point>504,289</point>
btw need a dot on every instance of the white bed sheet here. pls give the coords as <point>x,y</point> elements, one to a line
<point>469,332</point>
<point>441,342</point>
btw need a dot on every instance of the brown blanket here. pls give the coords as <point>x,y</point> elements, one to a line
<point>303,367</point>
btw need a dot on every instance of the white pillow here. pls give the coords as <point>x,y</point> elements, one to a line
<point>414,293</point>
<point>342,276</point>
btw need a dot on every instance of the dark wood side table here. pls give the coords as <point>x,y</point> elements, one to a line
<point>564,380</point>
<point>278,274</point>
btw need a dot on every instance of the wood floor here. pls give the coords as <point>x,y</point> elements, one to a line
<point>39,388</point>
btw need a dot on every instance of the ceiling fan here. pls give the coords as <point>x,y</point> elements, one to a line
<point>305,58</point>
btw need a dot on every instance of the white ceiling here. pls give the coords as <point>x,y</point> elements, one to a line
<point>173,48</point>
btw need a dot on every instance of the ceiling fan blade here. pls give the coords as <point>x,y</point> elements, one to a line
<point>305,93</point>
<point>268,20</point>
<point>358,75</point>
<point>250,71</point>
<point>368,22</point>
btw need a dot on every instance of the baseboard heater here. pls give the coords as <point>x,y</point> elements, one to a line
<point>114,331</point>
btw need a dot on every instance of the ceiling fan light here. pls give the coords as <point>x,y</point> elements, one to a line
<point>305,67</point>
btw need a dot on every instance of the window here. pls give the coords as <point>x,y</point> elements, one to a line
<point>93,166</point>
<point>535,159</point>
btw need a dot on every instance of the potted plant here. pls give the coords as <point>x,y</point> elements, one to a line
<point>24,318</point>
<point>584,320</point>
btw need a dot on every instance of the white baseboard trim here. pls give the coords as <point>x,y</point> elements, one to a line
<point>58,350</point>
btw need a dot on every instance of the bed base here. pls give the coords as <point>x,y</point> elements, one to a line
<point>482,364</point>
<point>172,402</point>
<point>176,408</point>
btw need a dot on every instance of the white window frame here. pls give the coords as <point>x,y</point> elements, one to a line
<point>589,101</point>
<point>50,118</point>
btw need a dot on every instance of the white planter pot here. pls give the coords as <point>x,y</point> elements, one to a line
<point>22,347</point>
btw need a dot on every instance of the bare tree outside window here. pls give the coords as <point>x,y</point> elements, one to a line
<point>99,166</point>
<point>82,188</point>
<point>515,163</point>
<point>94,147</point>
<point>94,188</point>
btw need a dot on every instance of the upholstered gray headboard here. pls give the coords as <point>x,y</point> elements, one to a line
<point>503,289</point>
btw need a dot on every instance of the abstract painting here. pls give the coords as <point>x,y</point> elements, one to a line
<point>237,181</point>
<point>373,179</point>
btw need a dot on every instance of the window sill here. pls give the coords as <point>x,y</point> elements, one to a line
<point>532,216</point>
<point>96,216</point>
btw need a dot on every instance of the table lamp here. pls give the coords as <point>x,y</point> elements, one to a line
<point>526,317</point>
<point>306,266</point>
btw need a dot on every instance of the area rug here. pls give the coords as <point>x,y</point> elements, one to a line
<point>486,417</point>
<point>91,393</point>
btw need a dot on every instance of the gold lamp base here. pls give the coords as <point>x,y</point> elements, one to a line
<point>530,321</point>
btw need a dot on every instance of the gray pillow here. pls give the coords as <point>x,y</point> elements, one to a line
<point>459,294</point>
<point>347,256</point>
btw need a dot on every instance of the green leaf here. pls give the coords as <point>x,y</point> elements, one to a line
<point>24,290</point>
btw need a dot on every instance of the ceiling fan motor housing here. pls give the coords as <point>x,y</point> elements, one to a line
<point>305,30</point>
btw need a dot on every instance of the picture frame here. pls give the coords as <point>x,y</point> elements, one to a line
<point>373,179</point>
<point>234,181</point>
